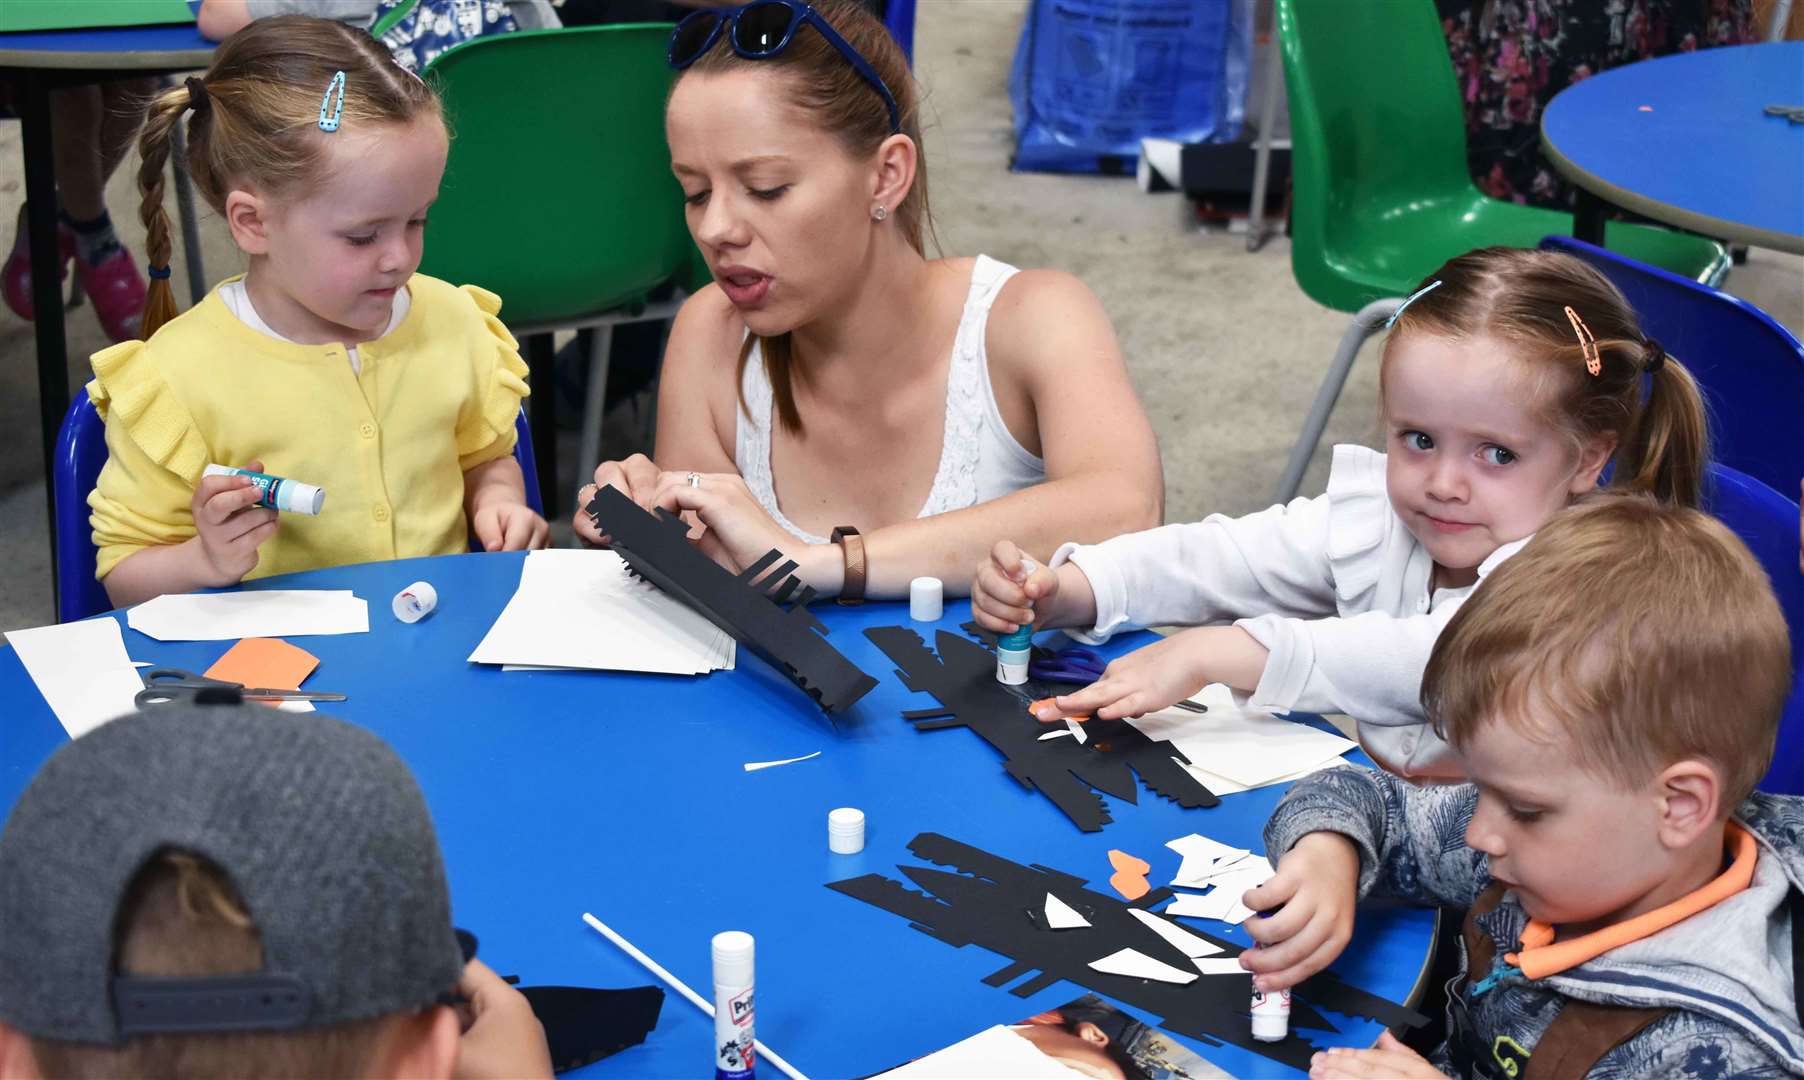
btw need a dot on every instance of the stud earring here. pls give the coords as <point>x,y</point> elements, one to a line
<point>879,213</point>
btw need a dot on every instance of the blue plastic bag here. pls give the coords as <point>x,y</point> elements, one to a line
<point>1092,78</point>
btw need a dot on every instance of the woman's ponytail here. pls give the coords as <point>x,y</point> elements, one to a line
<point>1666,444</point>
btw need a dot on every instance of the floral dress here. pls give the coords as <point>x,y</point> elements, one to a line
<point>1512,56</point>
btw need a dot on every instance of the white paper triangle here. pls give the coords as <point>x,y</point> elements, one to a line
<point>1219,965</point>
<point>1062,916</point>
<point>1138,965</point>
<point>1077,730</point>
<point>1061,733</point>
<point>1181,939</point>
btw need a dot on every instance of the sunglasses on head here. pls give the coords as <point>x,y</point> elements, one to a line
<point>761,30</point>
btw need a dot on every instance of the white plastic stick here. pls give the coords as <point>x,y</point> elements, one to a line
<point>677,984</point>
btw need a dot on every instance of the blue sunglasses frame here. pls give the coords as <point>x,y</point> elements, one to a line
<point>800,14</point>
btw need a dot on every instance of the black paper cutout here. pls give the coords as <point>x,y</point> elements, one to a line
<point>583,1025</point>
<point>989,902</point>
<point>963,679</point>
<point>656,547</point>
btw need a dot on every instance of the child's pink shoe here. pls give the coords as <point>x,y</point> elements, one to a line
<point>117,290</point>
<point>15,277</point>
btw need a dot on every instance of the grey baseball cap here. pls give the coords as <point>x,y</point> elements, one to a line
<point>319,826</point>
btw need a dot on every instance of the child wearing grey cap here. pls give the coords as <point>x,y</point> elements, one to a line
<point>227,890</point>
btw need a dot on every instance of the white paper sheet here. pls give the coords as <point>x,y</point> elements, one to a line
<point>1247,746</point>
<point>233,615</point>
<point>82,670</point>
<point>1220,965</point>
<point>581,609</point>
<point>1181,939</point>
<point>754,766</point>
<point>1138,965</point>
<point>1221,785</point>
<point>995,1053</point>
<point>1062,916</point>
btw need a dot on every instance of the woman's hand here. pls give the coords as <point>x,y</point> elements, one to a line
<point>1389,1060</point>
<point>1317,885</point>
<point>637,477</point>
<point>736,531</point>
<point>1007,588</point>
<point>230,525</point>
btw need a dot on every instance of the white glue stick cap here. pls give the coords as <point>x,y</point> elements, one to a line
<point>926,599</point>
<point>845,831</point>
<point>733,958</point>
<point>1270,1028</point>
<point>415,602</point>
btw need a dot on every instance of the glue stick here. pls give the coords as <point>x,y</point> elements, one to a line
<point>733,1034</point>
<point>1013,651</point>
<point>1271,1011</point>
<point>276,492</point>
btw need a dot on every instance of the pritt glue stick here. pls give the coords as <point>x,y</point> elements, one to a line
<point>733,1034</point>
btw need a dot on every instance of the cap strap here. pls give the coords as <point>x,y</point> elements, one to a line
<point>148,1005</point>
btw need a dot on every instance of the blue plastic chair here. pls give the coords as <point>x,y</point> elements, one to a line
<point>1750,367</point>
<point>80,453</point>
<point>899,17</point>
<point>1767,522</point>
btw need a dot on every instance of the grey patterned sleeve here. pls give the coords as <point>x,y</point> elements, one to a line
<point>355,12</point>
<point>1411,840</point>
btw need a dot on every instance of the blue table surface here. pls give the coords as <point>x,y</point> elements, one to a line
<point>169,37</point>
<point>557,793</point>
<point>1707,146</point>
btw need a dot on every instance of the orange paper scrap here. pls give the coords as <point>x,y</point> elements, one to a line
<point>264,663</point>
<point>1129,878</point>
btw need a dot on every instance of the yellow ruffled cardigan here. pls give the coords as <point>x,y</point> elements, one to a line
<point>389,444</point>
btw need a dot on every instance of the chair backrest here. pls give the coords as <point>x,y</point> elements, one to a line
<point>1751,368</point>
<point>80,453</point>
<point>558,193</point>
<point>899,16</point>
<point>1768,523</point>
<point>1376,122</point>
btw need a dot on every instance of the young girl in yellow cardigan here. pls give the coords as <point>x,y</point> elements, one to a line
<point>330,361</point>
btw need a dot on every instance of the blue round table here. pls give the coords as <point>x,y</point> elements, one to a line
<point>624,795</point>
<point>1685,140</point>
<point>34,63</point>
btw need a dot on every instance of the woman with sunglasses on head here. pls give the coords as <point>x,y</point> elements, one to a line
<point>876,414</point>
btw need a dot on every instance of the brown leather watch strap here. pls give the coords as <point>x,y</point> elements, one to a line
<point>852,546</point>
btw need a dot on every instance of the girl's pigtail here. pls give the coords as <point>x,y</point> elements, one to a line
<point>1665,447</point>
<point>160,117</point>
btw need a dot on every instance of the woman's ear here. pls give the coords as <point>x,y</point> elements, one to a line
<point>1594,455</point>
<point>247,214</point>
<point>894,176</point>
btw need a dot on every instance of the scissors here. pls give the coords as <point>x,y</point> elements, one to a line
<point>1080,666</point>
<point>163,685</point>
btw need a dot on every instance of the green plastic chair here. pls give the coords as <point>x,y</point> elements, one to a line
<point>558,193</point>
<point>1382,193</point>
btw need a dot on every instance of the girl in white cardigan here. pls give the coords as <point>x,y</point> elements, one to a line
<point>1509,381</point>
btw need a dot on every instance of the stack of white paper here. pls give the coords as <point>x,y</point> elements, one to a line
<point>1227,872</point>
<point>582,609</point>
<point>82,671</point>
<point>1233,748</point>
<point>263,613</point>
<point>995,1053</point>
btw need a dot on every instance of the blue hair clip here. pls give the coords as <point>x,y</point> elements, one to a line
<point>1412,298</point>
<point>330,123</point>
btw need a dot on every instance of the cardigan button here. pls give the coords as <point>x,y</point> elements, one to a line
<point>367,430</point>
<point>381,513</point>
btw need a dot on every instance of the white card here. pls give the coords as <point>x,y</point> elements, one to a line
<point>82,670</point>
<point>260,613</point>
<point>1138,965</point>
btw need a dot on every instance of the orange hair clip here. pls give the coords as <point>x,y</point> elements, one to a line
<point>1594,360</point>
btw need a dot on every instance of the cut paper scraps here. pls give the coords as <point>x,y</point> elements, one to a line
<point>754,766</point>
<point>961,675</point>
<point>1137,965</point>
<point>980,898</point>
<point>252,613</point>
<point>1232,748</point>
<point>267,663</point>
<point>1129,878</point>
<point>1227,872</point>
<point>1176,936</point>
<point>81,669</point>
<point>1062,916</point>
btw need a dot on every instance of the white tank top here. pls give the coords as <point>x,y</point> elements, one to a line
<point>979,460</point>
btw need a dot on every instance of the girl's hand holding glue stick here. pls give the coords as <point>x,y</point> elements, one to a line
<point>231,521</point>
<point>1011,590</point>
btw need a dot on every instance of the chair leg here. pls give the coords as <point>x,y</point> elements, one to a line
<point>595,402</point>
<point>1364,325</point>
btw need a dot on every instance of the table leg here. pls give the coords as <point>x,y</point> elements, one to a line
<point>46,286</point>
<point>1588,218</point>
<point>541,378</point>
